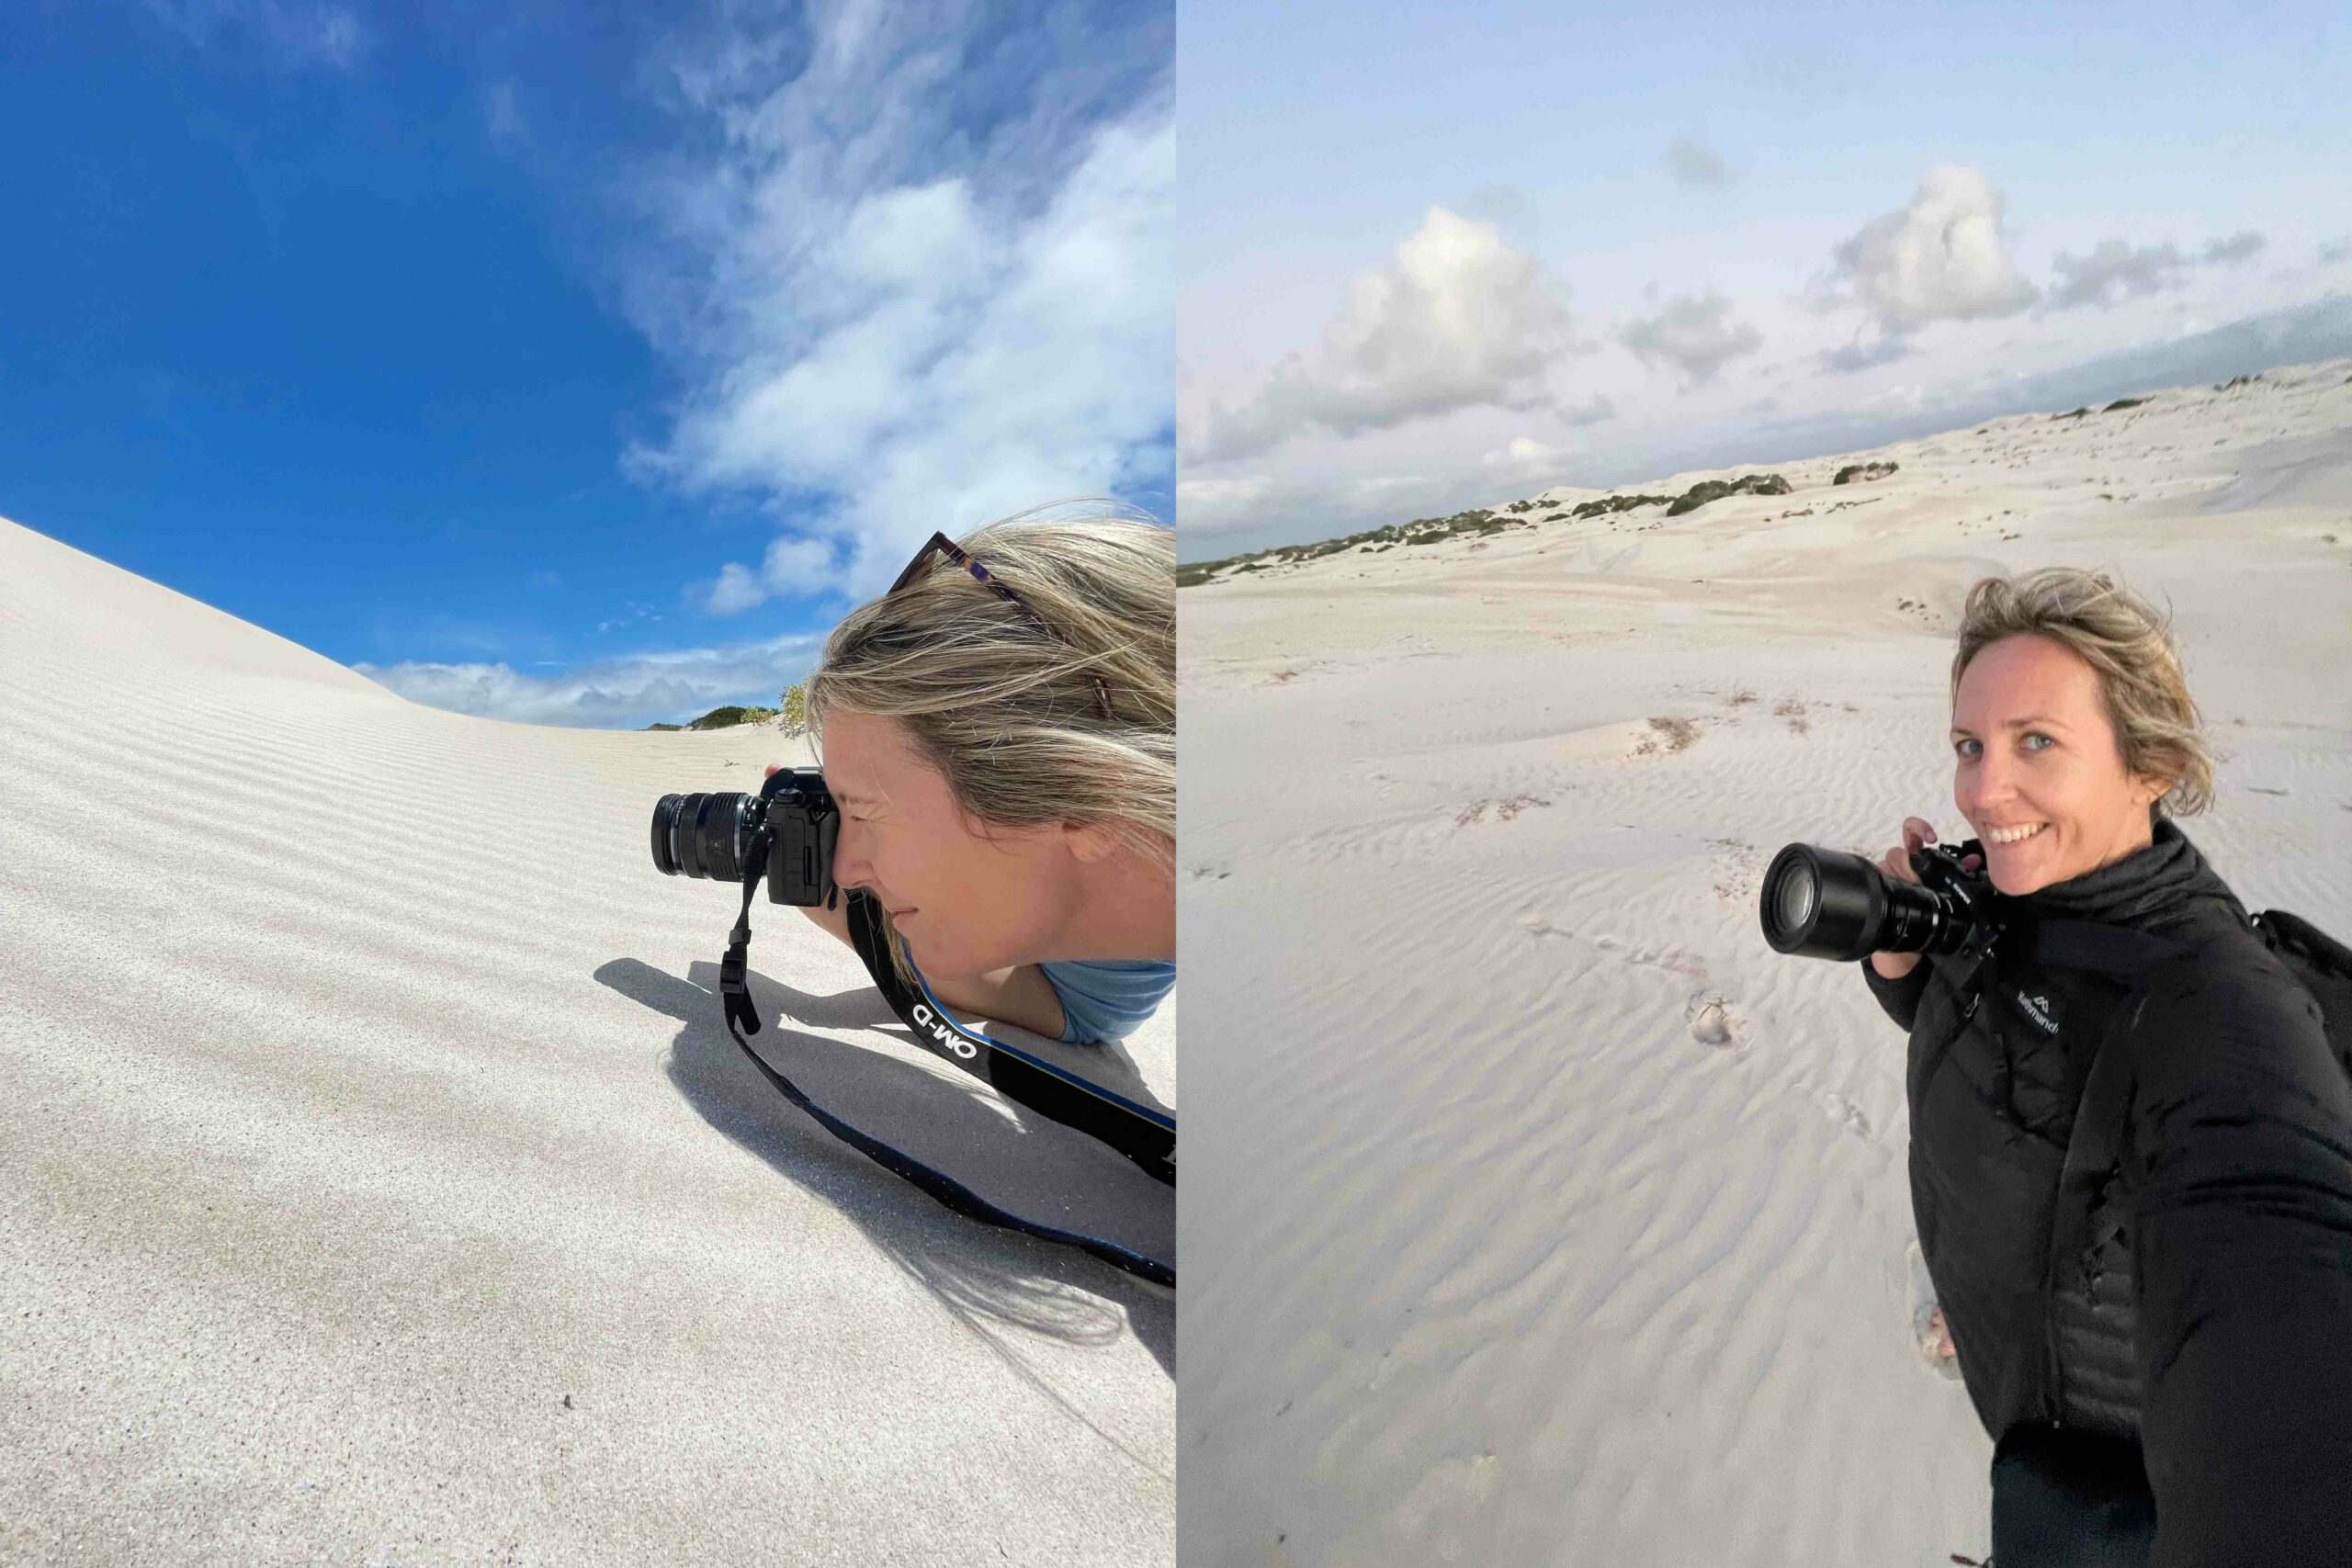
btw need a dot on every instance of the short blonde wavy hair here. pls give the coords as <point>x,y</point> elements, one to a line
<point>2128,645</point>
<point>1011,715</point>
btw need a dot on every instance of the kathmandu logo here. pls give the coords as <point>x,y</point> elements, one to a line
<point>2038,1010</point>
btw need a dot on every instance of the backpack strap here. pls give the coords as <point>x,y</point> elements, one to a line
<point>2320,965</point>
<point>2293,935</point>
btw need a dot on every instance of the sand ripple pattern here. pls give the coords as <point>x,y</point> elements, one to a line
<point>1535,1211</point>
<point>382,1186</point>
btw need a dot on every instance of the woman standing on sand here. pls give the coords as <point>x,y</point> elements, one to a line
<point>2171,1383</point>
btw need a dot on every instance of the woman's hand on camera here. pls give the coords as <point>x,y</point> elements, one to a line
<point>1917,833</point>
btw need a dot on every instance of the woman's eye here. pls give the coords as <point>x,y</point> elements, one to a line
<point>1966,748</point>
<point>2026,741</point>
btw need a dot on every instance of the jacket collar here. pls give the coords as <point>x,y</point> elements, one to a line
<point>2166,883</point>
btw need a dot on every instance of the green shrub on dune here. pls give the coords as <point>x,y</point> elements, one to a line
<point>1705,490</point>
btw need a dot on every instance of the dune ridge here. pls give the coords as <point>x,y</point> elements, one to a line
<point>382,1186</point>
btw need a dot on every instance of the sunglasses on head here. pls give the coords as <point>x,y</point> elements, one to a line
<point>940,544</point>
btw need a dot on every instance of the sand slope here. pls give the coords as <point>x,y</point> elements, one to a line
<point>1537,1212</point>
<point>379,1184</point>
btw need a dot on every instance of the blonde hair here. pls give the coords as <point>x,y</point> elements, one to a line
<point>2128,645</point>
<point>1014,714</point>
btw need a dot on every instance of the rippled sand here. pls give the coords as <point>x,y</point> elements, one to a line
<point>1537,1210</point>
<point>379,1183</point>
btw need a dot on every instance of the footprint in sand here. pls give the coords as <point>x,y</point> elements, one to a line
<point>1710,1023</point>
<point>1669,735</point>
<point>1928,1328</point>
<point>1738,869</point>
<point>1841,1109</point>
<point>1504,810</point>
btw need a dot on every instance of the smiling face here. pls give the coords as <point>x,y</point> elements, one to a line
<point>2037,772</point>
<point>969,900</point>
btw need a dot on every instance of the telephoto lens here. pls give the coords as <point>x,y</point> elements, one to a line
<point>1820,903</point>
<point>711,836</point>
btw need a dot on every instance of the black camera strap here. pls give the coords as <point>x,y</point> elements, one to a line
<point>1145,1135</point>
<point>1152,1145</point>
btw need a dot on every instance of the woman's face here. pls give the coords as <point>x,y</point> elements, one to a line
<point>969,900</point>
<point>2037,771</point>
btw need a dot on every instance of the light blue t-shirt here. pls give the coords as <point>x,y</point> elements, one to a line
<point>1104,999</point>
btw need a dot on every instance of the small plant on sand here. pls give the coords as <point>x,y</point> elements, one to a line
<point>2119,404</point>
<point>792,717</point>
<point>1670,735</point>
<point>1609,504</point>
<point>728,718</point>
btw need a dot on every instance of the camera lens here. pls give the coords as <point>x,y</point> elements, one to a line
<point>1827,903</point>
<point>1795,897</point>
<point>702,835</point>
<point>1823,904</point>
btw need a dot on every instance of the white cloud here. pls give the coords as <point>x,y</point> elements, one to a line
<point>1692,164</point>
<point>2243,246</point>
<point>1696,335</point>
<point>793,567</point>
<point>629,613</point>
<point>1212,494</point>
<point>1525,459</point>
<point>298,35</point>
<point>623,694</point>
<point>504,122</point>
<point>1859,356</point>
<point>1941,259</point>
<point>2114,271</point>
<point>915,288</point>
<point>1455,319</point>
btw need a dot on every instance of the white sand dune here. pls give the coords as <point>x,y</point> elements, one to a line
<point>1537,1212</point>
<point>379,1183</point>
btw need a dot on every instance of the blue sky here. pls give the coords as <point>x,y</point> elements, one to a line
<point>1438,259</point>
<point>571,367</point>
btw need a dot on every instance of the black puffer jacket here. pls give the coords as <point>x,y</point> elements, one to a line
<point>2207,1313</point>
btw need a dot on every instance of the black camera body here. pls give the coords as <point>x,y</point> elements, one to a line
<point>1820,903</point>
<point>713,836</point>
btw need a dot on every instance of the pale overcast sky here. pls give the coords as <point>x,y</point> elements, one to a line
<point>1434,259</point>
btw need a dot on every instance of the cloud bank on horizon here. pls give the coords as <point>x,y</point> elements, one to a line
<point>1763,250</point>
<point>1486,331</point>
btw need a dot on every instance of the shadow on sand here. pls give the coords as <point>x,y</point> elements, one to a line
<point>1007,1153</point>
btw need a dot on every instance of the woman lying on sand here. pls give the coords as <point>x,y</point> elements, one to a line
<point>2173,1383</point>
<point>1000,732</point>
